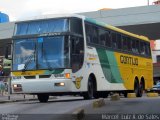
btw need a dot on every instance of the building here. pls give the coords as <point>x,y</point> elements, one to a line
<point>5,39</point>
<point>4,17</point>
<point>155,45</point>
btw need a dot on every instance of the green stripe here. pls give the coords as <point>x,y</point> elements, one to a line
<point>58,71</point>
<point>109,66</point>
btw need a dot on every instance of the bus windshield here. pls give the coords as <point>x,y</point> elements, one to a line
<point>41,53</point>
<point>39,27</point>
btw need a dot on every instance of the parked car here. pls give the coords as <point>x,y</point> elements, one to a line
<point>156,88</point>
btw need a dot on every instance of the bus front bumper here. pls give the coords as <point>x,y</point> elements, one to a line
<point>41,86</point>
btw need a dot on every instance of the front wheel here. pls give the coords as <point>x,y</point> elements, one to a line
<point>89,94</point>
<point>43,98</point>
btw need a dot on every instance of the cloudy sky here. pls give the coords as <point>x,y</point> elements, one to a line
<point>20,9</point>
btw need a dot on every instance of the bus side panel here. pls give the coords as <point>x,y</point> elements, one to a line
<point>110,70</point>
<point>133,66</point>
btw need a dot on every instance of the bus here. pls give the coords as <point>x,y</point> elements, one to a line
<point>73,54</point>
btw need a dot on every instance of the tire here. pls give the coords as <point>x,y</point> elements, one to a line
<point>125,93</point>
<point>136,88</point>
<point>90,90</point>
<point>43,98</point>
<point>141,88</point>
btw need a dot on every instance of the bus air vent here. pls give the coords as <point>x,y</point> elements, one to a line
<point>44,76</point>
<point>29,77</point>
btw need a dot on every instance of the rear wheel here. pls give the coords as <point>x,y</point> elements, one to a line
<point>43,98</point>
<point>125,93</point>
<point>141,88</point>
<point>136,88</point>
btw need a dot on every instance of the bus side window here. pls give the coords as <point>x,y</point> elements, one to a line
<point>129,44</point>
<point>91,33</point>
<point>135,46</point>
<point>108,39</point>
<point>142,48</point>
<point>102,37</point>
<point>119,41</point>
<point>95,35</point>
<point>88,33</point>
<point>77,53</point>
<point>114,40</point>
<point>147,49</point>
<point>124,43</point>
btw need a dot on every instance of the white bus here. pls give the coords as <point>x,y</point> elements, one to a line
<point>72,54</point>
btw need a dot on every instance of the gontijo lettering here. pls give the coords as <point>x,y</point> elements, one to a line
<point>128,60</point>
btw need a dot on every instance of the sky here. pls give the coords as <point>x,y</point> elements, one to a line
<point>21,9</point>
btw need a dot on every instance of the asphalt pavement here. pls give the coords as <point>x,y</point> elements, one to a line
<point>146,108</point>
<point>16,97</point>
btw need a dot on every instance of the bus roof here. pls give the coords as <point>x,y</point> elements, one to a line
<point>50,16</point>
<point>116,29</point>
<point>43,17</point>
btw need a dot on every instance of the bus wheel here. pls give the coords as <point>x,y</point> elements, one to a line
<point>125,93</point>
<point>89,94</point>
<point>43,98</point>
<point>141,88</point>
<point>136,88</point>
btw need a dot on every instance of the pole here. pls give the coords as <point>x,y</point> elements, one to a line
<point>148,2</point>
<point>9,88</point>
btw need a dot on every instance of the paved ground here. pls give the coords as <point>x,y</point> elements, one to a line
<point>146,108</point>
<point>16,97</point>
<point>63,106</point>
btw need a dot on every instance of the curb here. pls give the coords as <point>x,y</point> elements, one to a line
<point>131,95</point>
<point>5,101</point>
<point>21,100</point>
<point>78,114</point>
<point>98,103</point>
<point>10,101</point>
<point>115,97</point>
<point>152,95</point>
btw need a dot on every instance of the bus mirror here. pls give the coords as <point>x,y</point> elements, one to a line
<point>7,56</point>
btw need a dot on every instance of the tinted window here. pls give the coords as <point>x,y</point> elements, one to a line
<point>114,40</point>
<point>142,48</point>
<point>95,35</point>
<point>137,46</point>
<point>77,53</point>
<point>124,43</point>
<point>43,26</point>
<point>147,49</point>
<point>119,41</point>
<point>92,34</point>
<point>102,37</point>
<point>108,39</point>
<point>76,25</point>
